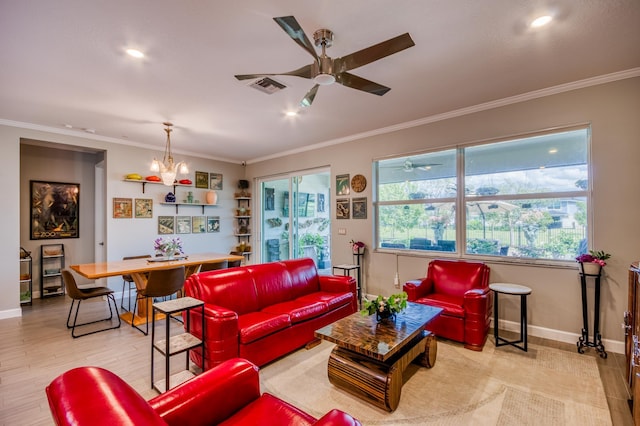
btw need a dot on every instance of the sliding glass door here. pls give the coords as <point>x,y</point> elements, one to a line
<point>295,218</point>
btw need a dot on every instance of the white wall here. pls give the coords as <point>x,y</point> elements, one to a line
<point>124,236</point>
<point>554,307</point>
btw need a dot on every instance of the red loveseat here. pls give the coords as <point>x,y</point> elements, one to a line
<point>226,395</point>
<point>461,288</point>
<point>262,312</point>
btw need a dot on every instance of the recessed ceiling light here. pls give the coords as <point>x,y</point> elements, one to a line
<point>291,113</point>
<point>135,53</point>
<point>541,21</point>
<point>553,150</point>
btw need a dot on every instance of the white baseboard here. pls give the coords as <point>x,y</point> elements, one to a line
<point>10,313</point>
<point>558,335</point>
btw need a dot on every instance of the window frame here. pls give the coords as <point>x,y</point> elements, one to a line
<point>461,199</point>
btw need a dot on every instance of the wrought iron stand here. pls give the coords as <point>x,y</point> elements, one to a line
<point>583,341</point>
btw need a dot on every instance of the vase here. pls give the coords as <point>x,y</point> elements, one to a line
<point>386,315</point>
<point>590,268</point>
<point>358,250</point>
<point>170,255</point>
<point>212,197</point>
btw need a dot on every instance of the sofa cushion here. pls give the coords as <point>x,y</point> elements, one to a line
<point>455,277</point>
<point>304,276</point>
<point>269,410</point>
<point>255,325</point>
<point>452,305</point>
<point>298,310</point>
<point>272,281</point>
<point>333,300</point>
<point>231,288</point>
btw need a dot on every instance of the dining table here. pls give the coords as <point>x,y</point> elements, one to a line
<point>139,270</point>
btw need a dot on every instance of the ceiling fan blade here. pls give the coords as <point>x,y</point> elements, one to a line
<point>373,53</point>
<point>304,72</point>
<point>355,82</point>
<point>308,98</point>
<point>293,28</point>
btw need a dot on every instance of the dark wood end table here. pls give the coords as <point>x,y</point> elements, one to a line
<point>370,357</point>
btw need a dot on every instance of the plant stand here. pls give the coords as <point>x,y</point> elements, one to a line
<point>584,341</point>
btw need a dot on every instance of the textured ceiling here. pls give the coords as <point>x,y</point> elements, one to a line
<point>63,62</point>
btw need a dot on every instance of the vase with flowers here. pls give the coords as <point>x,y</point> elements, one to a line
<point>592,262</point>
<point>357,247</point>
<point>168,247</point>
<point>385,308</point>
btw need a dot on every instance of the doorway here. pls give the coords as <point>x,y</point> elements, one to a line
<point>295,217</point>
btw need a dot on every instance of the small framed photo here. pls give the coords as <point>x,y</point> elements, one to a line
<point>213,223</point>
<point>166,224</point>
<point>143,207</point>
<point>342,208</point>
<point>215,181</point>
<point>202,180</point>
<point>359,208</point>
<point>198,224</point>
<point>122,208</point>
<point>342,185</point>
<point>183,224</point>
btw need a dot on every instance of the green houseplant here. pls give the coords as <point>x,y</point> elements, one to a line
<point>385,307</point>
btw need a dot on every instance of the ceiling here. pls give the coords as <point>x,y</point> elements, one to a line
<point>64,63</point>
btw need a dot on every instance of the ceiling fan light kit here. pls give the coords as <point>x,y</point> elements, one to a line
<point>326,70</point>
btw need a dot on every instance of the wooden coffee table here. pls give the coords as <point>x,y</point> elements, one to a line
<point>370,357</point>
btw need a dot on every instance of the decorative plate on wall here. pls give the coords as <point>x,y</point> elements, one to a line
<point>358,183</point>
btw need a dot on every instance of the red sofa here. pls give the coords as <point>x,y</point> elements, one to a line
<point>226,395</point>
<point>262,312</point>
<point>461,288</point>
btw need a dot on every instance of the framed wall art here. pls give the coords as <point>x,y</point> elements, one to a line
<point>166,224</point>
<point>198,224</point>
<point>143,208</point>
<point>359,208</point>
<point>55,210</point>
<point>122,208</point>
<point>202,180</point>
<point>215,181</point>
<point>213,223</point>
<point>183,224</point>
<point>342,208</point>
<point>342,185</point>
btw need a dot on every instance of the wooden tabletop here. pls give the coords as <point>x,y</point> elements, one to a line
<point>364,335</point>
<point>131,266</point>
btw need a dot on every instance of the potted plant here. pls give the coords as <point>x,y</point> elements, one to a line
<point>590,263</point>
<point>357,247</point>
<point>385,307</point>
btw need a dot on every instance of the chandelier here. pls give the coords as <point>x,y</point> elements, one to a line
<point>167,168</point>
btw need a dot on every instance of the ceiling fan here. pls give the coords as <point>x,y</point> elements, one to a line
<point>325,70</point>
<point>408,166</point>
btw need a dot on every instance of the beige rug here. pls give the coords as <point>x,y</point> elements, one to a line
<point>498,386</point>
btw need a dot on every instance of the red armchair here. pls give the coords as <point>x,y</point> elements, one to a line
<point>228,394</point>
<point>461,288</point>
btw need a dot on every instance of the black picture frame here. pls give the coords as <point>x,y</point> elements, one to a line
<point>202,180</point>
<point>166,225</point>
<point>54,210</point>
<point>342,208</point>
<point>359,208</point>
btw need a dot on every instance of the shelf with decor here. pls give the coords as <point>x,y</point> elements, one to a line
<point>177,205</point>
<point>144,182</point>
<point>51,266</point>
<point>26,277</point>
<point>243,218</point>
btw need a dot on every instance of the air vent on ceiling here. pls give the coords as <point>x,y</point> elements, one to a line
<point>267,85</point>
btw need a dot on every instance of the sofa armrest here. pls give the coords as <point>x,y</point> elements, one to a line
<point>477,301</point>
<point>337,283</point>
<point>210,397</point>
<point>336,417</point>
<point>95,396</point>
<point>416,289</point>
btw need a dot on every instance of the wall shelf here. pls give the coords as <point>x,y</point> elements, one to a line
<point>189,204</point>
<point>144,182</point>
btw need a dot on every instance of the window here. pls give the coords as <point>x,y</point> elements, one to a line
<point>522,198</point>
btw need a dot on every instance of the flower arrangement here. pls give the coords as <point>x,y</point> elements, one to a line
<point>168,246</point>
<point>594,256</point>
<point>380,305</point>
<point>357,246</point>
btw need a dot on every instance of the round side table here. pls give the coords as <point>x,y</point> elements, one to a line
<point>514,290</point>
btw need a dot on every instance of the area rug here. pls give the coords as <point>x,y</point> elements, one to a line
<point>498,386</point>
